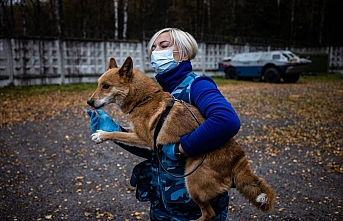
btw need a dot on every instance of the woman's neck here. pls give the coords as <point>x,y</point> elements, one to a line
<point>174,77</point>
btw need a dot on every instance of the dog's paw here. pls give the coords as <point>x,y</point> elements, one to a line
<point>96,137</point>
<point>262,198</point>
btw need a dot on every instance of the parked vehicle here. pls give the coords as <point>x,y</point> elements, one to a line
<point>270,66</point>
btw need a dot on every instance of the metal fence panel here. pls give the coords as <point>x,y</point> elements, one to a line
<point>32,61</point>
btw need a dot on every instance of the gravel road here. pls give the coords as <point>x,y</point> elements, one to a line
<point>50,169</point>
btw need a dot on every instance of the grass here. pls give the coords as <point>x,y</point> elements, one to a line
<point>322,77</point>
<point>20,91</point>
<point>220,81</point>
<point>310,77</point>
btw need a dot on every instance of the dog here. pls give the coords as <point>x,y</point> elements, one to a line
<point>144,101</point>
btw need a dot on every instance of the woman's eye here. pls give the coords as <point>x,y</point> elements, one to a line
<point>105,86</point>
<point>165,45</point>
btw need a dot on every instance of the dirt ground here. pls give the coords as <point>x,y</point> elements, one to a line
<point>50,169</point>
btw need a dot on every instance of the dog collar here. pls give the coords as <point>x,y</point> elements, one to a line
<point>143,100</point>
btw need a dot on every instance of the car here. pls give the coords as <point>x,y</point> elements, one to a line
<point>270,66</point>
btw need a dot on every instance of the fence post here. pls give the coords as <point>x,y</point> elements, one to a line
<point>329,58</point>
<point>143,53</point>
<point>226,50</point>
<point>203,59</point>
<point>104,48</point>
<point>10,62</point>
<point>61,48</point>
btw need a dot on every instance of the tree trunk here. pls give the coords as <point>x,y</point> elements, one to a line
<point>321,25</point>
<point>115,19</point>
<point>23,17</point>
<point>291,32</point>
<point>57,6</point>
<point>125,19</point>
<point>208,15</point>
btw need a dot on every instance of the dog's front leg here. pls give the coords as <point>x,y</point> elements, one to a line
<point>98,136</point>
<point>124,137</point>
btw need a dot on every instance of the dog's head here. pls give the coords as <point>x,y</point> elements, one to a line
<point>113,85</point>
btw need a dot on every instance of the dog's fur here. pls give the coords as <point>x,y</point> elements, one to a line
<point>141,98</point>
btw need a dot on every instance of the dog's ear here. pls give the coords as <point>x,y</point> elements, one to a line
<point>126,69</point>
<point>112,64</point>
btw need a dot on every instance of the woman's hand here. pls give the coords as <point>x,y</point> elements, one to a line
<point>102,121</point>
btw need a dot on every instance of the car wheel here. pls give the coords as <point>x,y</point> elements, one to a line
<point>272,75</point>
<point>291,78</point>
<point>231,73</point>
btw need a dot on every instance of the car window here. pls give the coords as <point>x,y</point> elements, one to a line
<point>276,56</point>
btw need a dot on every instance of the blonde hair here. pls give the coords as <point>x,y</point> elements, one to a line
<point>184,41</point>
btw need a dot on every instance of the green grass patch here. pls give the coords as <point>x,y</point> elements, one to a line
<point>321,77</point>
<point>304,78</point>
<point>220,81</point>
<point>22,91</point>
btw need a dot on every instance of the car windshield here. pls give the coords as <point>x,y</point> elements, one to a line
<point>287,56</point>
<point>292,55</point>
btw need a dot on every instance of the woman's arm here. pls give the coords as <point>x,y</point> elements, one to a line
<point>221,124</point>
<point>104,122</point>
<point>138,151</point>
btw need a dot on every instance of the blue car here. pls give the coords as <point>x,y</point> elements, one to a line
<point>270,66</point>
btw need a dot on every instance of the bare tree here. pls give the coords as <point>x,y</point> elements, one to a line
<point>278,10</point>
<point>115,19</point>
<point>297,20</point>
<point>292,21</point>
<point>125,19</point>
<point>57,11</point>
<point>208,5</point>
<point>23,15</point>
<point>321,25</point>
<point>2,11</point>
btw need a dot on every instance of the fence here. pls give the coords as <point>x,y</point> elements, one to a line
<point>36,62</point>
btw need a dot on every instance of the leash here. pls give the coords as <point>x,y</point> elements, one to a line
<point>158,128</point>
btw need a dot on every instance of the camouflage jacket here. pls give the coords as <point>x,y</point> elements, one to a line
<point>169,190</point>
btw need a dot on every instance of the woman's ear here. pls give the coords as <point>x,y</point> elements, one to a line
<point>185,57</point>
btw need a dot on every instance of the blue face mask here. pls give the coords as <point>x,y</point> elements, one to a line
<point>163,61</point>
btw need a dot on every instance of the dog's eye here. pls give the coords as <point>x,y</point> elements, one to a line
<point>105,86</point>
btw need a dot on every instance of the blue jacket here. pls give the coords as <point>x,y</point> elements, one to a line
<point>166,192</point>
<point>222,122</point>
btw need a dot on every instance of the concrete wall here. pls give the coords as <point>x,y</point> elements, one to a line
<point>38,62</point>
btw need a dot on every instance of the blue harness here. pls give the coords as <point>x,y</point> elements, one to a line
<point>182,92</point>
<point>166,188</point>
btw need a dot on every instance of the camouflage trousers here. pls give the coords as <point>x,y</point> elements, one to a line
<point>172,201</point>
<point>159,213</point>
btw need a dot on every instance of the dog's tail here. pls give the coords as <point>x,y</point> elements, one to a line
<point>254,188</point>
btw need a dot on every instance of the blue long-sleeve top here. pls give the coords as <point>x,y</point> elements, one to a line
<point>222,122</point>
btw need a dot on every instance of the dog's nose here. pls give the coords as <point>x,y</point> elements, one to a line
<point>90,103</point>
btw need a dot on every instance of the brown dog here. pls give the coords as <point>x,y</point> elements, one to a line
<point>143,100</point>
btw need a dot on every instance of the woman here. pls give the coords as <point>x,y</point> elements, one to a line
<point>171,51</point>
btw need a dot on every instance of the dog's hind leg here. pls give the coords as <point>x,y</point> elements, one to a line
<point>197,192</point>
<point>207,213</point>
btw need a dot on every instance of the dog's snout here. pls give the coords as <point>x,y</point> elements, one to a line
<point>90,103</point>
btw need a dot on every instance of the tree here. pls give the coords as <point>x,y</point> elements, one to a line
<point>115,17</point>
<point>57,14</point>
<point>23,16</point>
<point>287,22</point>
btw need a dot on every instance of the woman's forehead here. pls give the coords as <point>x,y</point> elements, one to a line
<point>163,37</point>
